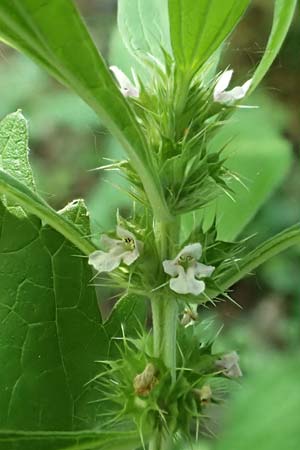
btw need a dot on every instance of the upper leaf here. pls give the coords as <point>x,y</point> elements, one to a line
<point>54,35</point>
<point>144,26</point>
<point>198,28</point>
<point>283,15</point>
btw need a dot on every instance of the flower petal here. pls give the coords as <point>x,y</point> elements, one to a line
<point>185,283</point>
<point>108,242</point>
<point>222,83</point>
<point>130,256</point>
<point>201,270</point>
<point>104,262</point>
<point>170,267</point>
<point>181,286</point>
<point>124,234</point>
<point>246,86</point>
<point>233,95</point>
<point>194,250</point>
<point>127,88</point>
<point>230,365</point>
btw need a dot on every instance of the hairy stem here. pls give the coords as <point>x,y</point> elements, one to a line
<point>164,319</point>
<point>160,442</point>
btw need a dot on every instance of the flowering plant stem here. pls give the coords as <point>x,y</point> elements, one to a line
<point>164,319</point>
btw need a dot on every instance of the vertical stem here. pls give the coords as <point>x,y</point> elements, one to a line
<point>160,442</point>
<point>164,319</point>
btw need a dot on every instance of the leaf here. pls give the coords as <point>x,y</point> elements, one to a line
<point>52,33</point>
<point>51,333</point>
<point>119,440</point>
<point>13,148</point>
<point>260,161</point>
<point>272,247</point>
<point>283,15</point>
<point>130,312</point>
<point>198,28</point>
<point>144,27</point>
<point>265,412</point>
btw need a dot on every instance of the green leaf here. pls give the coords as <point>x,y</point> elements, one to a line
<point>14,148</point>
<point>90,440</point>
<point>51,331</point>
<point>198,28</point>
<point>260,161</point>
<point>130,311</point>
<point>144,26</point>
<point>283,15</point>
<point>52,33</point>
<point>272,247</point>
<point>265,412</point>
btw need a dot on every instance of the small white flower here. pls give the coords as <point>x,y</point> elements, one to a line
<point>229,364</point>
<point>127,88</point>
<point>186,271</point>
<point>227,97</point>
<point>126,249</point>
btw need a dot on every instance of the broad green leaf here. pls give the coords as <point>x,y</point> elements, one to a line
<point>90,440</point>
<point>265,412</point>
<point>52,33</point>
<point>198,28</point>
<point>144,26</point>
<point>283,15</point>
<point>51,334</point>
<point>260,160</point>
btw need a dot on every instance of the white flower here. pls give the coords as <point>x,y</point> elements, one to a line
<point>127,88</point>
<point>227,97</point>
<point>126,249</point>
<point>229,364</point>
<point>185,270</point>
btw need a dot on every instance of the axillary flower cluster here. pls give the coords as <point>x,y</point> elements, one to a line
<point>185,270</point>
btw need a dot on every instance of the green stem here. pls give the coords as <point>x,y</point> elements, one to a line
<point>164,319</point>
<point>160,442</point>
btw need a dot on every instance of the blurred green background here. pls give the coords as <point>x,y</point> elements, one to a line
<point>67,142</point>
